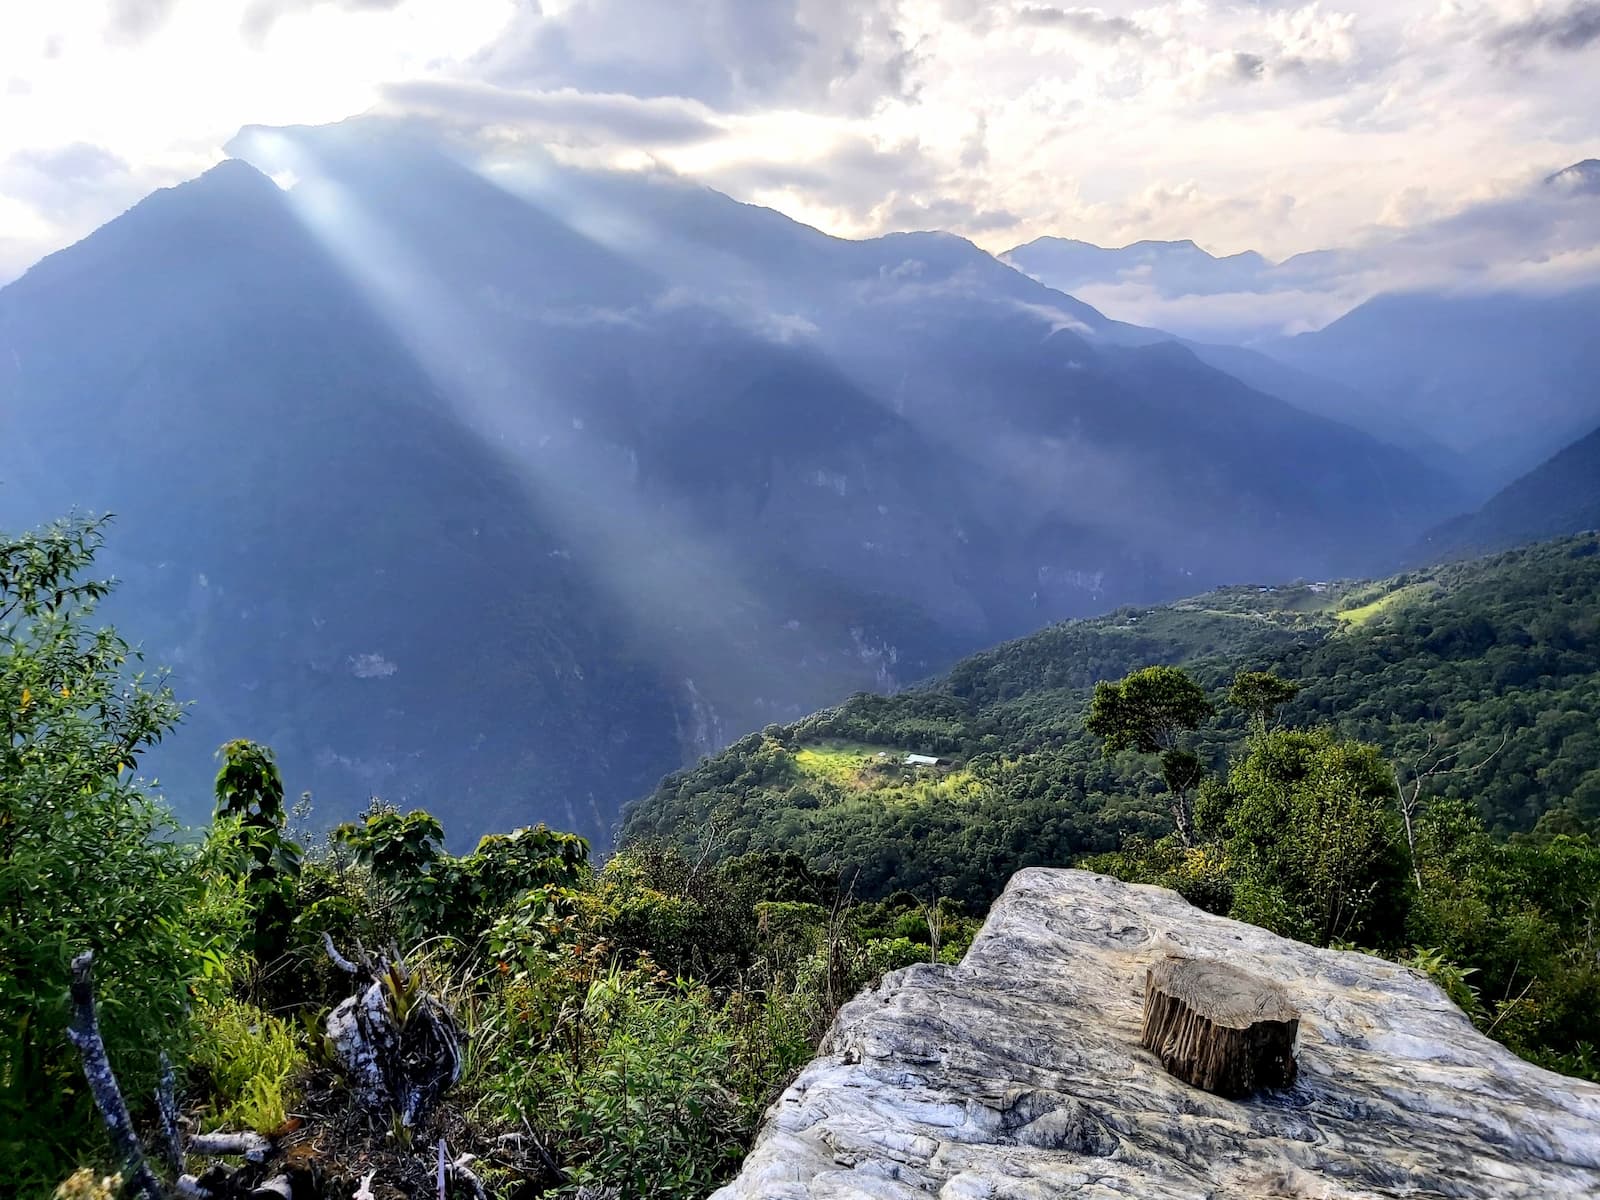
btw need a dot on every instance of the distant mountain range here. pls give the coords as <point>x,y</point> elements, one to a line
<point>1560,496</point>
<point>1178,268</point>
<point>507,488</point>
<point>1503,379</point>
<point>1483,379</point>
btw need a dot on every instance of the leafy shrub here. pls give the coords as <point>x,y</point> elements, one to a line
<point>87,859</point>
<point>249,793</point>
<point>628,1087</point>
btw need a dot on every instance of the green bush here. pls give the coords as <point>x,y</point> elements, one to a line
<point>629,1088</point>
<point>88,861</point>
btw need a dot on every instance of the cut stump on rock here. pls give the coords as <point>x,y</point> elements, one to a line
<point>1219,1028</point>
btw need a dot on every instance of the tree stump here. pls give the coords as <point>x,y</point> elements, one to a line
<point>1219,1028</point>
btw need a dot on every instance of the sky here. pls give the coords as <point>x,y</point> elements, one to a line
<point>1274,126</point>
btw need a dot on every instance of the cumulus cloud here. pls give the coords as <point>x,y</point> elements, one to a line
<point>261,15</point>
<point>135,20</point>
<point>62,182</point>
<point>949,213</point>
<point>844,55</point>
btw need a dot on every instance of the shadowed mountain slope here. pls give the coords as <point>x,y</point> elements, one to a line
<point>508,488</point>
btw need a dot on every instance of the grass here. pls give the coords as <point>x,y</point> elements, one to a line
<point>844,764</point>
<point>853,769</point>
<point>1361,614</point>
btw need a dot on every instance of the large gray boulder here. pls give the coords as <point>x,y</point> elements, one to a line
<point>1018,1076</point>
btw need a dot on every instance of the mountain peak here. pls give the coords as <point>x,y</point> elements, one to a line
<point>218,204</point>
<point>1581,177</point>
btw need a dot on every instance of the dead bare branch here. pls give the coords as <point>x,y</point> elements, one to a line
<point>252,1147</point>
<point>84,1033</point>
<point>338,960</point>
<point>167,1108</point>
<point>462,1169</point>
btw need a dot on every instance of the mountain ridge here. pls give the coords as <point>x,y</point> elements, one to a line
<point>744,488</point>
<point>1561,496</point>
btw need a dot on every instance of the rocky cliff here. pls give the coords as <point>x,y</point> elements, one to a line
<point>1018,1074</point>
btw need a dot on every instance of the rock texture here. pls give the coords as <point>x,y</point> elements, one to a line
<point>1018,1076</point>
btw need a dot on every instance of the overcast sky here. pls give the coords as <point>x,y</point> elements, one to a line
<point>1274,126</point>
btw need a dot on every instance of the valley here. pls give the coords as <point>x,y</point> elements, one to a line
<point>623,468</point>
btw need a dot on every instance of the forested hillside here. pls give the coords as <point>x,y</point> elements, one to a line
<point>1495,661</point>
<point>560,1023</point>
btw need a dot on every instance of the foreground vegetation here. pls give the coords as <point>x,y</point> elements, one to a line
<point>625,1024</point>
<point>1411,776</point>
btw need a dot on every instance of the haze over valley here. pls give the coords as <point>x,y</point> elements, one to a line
<point>626,468</point>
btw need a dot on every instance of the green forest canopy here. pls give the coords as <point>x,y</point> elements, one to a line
<point>1497,659</point>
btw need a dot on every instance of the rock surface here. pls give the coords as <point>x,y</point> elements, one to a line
<point>1018,1076</point>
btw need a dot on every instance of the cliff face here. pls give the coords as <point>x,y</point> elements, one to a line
<point>1018,1074</point>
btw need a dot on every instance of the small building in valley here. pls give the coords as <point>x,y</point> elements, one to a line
<point>923,760</point>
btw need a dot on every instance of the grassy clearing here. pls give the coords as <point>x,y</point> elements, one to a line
<point>844,764</point>
<point>1374,608</point>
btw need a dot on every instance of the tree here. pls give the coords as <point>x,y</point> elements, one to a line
<point>249,793</point>
<point>1315,839</point>
<point>87,860</point>
<point>1149,711</point>
<point>1261,694</point>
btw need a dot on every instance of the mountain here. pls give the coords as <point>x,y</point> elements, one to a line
<point>1560,496</point>
<point>1483,378</point>
<point>1502,378</point>
<point>1496,659</point>
<point>1338,402</point>
<point>1174,268</point>
<point>1581,177</point>
<point>1208,298</point>
<point>506,487</point>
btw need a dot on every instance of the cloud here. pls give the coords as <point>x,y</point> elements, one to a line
<point>863,186</point>
<point>734,55</point>
<point>560,115</point>
<point>1571,29</point>
<point>1088,23</point>
<point>1055,319</point>
<point>1245,66</point>
<point>135,20</point>
<point>949,213</point>
<point>51,195</point>
<point>62,182</point>
<point>852,170</point>
<point>261,15</point>
<point>73,165</point>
